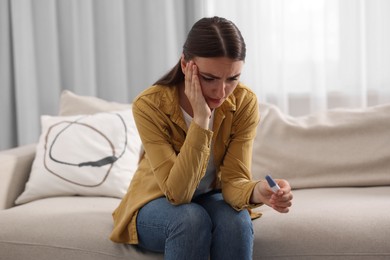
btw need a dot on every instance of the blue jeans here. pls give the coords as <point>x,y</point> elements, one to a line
<point>207,227</point>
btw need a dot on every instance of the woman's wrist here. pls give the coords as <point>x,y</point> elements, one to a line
<point>202,122</point>
<point>256,196</point>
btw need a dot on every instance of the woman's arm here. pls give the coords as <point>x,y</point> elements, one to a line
<point>239,189</point>
<point>177,174</point>
<point>236,177</point>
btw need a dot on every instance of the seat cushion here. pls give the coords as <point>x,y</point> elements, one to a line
<point>327,223</point>
<point>324,223</point>
<point>63,228</point>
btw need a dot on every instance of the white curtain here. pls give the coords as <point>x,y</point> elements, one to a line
<point>7,117</point>
<point>306,56</point>
<point>303,55</point>
<point>107,48</point>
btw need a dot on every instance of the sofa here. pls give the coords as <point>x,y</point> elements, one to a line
<point>337,162</point>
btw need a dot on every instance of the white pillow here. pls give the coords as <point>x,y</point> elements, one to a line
<point>86,155</point>
<point>72,104</point>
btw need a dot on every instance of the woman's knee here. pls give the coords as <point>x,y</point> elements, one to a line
<point>192,219</point>
<point>233,237</point>
<point>190,234</point>
<point>238,224</point>
<point>161,225</point>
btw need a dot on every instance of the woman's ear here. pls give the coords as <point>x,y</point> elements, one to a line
<point>183,64</point>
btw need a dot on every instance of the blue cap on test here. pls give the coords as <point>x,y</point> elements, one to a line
<point>274,186</point>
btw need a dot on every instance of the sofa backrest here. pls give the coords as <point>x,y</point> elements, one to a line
<point>339,147</point>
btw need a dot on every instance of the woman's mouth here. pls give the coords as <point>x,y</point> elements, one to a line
<point>215,101</point>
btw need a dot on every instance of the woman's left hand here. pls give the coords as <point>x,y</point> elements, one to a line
<point>279,201</point>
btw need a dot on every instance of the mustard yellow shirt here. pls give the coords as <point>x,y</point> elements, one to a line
<point>176,156</point>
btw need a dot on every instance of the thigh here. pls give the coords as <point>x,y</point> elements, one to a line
<point>152,220</point>
<point>218,209</point>
<point>232,229</point>
<point>159,220</point>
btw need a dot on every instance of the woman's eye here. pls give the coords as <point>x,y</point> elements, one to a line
<point>207,78</point>
<point>233,79</point>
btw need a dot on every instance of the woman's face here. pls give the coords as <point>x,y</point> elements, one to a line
<point>218,78</point>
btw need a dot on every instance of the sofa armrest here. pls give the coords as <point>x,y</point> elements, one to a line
<point>15,166</point>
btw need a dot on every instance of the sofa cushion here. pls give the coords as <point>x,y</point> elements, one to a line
<point>88,155</point>
<point>339,147</point>
<point>74,104</point>
<point>63,228</point>
<point>15,166</point>
<point>324,223</point>
<point>327,223</point>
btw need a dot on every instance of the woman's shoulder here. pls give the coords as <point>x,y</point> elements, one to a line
<point>246,106</point>
<point>156,98</point>
<point>244,90</point>
<point>156,94</point>
<point>243,94</point>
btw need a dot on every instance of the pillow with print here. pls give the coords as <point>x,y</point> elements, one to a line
<point>85,155</point>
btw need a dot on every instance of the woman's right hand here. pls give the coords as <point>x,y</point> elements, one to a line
<point>279,201</point>
<point>193,91</point>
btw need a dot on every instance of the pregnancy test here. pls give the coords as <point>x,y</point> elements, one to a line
<point>274,186</point>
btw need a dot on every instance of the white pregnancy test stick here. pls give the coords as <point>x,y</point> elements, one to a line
<point>274,186</point>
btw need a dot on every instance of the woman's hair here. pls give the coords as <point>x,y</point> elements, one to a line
<point>209,37</point>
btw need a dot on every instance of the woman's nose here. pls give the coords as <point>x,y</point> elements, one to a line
<point>221,90</point>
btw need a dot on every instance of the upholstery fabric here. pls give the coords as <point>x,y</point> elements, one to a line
<point>15,166</point>
<point>340,147</point>
<point>327,223</point>
<point>319,226</point>
<point>59,228</point>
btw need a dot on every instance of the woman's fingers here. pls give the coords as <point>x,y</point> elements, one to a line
<point>281,201</point>
<point>188,77</point>
<point>192,86</point>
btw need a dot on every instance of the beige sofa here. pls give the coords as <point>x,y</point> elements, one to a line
<point>338,163</point>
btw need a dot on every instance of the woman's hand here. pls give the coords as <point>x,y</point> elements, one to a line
<point>280,201</point>
<point>193,91</point>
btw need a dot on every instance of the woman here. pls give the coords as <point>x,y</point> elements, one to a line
<point>192,193</point>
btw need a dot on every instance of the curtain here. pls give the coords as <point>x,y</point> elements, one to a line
<point>302,55</point>
<point>7,117</point>
<point>111,49</point>
<point>306,56</point>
